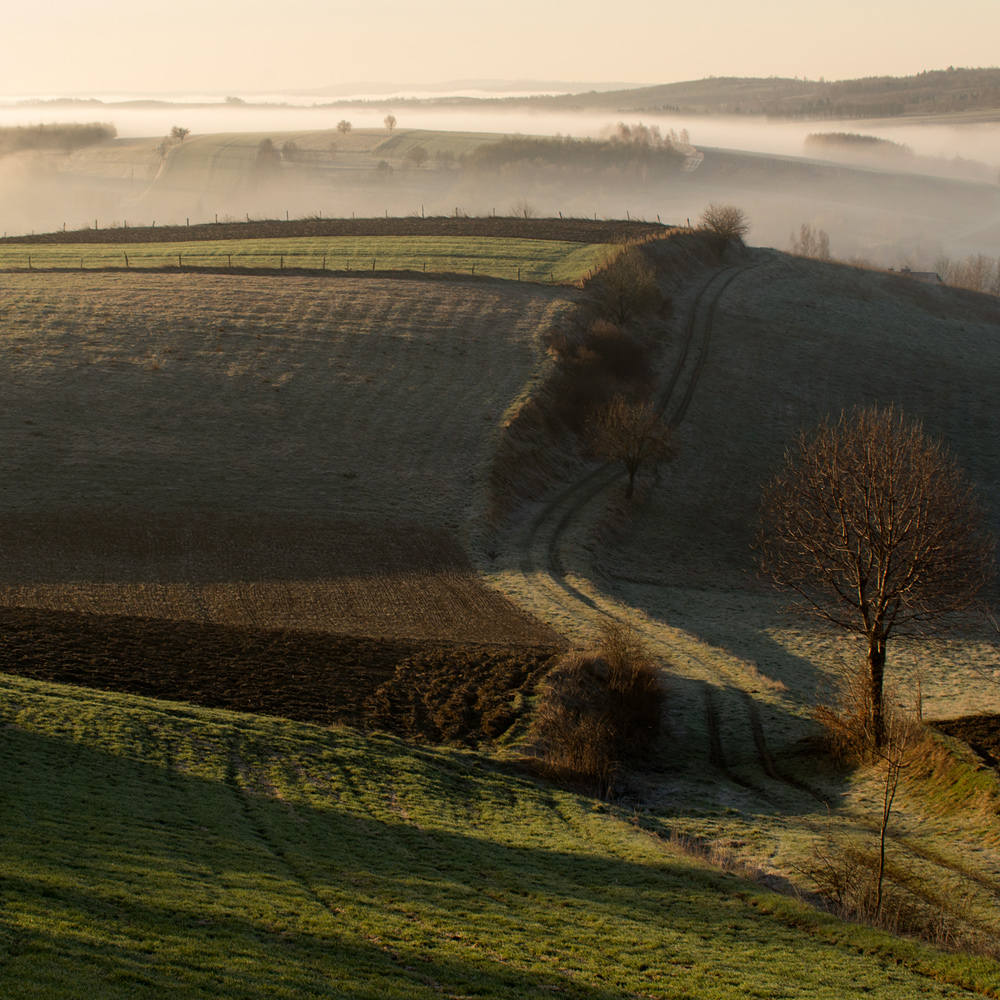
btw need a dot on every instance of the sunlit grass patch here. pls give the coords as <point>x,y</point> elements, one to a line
<point>513,259</point>
<point>227,855</point>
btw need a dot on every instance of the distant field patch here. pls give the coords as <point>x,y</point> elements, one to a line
<point>524,259</point>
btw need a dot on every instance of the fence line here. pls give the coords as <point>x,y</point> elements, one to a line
<point>185,260</point>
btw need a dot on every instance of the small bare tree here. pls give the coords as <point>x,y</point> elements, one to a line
<point>873,526</point>
<point>631,432</point>
<point>626,284</point>
<point>810,243</point>
<point>523,209</point>
<point>344,126</point>
<point>389,122</point>
<point>178,133</point>
<point>727,222</point>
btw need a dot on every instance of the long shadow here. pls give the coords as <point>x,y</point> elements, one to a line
<point>122,877</point>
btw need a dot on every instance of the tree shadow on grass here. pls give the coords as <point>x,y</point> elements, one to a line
<point>380,873</point>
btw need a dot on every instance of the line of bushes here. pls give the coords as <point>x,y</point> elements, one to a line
<point>61,138</point>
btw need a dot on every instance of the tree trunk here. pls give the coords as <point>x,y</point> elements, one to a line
<point>631,482</point>
<point>876,671</point>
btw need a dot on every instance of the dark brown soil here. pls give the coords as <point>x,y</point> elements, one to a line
<point>981,732</point>
<point>571,230</point>
<point>438,692</point>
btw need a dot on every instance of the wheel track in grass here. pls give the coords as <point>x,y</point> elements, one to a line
<point>543,570</point>
<point>541,565</point>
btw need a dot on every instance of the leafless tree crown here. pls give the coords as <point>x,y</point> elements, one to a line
<point>630,432</point>
<point>626,284</point>
<point>726,221</point>
<point>874,526</point>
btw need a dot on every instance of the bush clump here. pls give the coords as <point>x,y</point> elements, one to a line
<point>599,711</point>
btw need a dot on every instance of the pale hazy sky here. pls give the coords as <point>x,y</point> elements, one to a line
<point>240,46</point>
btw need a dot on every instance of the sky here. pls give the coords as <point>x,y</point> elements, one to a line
<point>258,46</point>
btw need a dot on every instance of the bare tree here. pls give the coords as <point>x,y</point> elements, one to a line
<point>873,526</point>
<point>727,222</point>
<point>626,284</point>
<point>178,133</point>
<point>523,209</point>
<point>267,162</point>
<point>631,432</point>
<point>345,126</point>
<point>810,243</point>
<point>389,122</point>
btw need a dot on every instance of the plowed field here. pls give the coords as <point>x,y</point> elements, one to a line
<point>569,230</point>
<point>365,579</point>
<point>251,493</point>
<point>438,693</point>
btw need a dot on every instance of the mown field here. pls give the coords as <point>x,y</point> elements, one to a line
<point>151,849</point>
<point>524,260</point>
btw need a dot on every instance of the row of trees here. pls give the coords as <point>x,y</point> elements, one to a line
<point>978,272</point>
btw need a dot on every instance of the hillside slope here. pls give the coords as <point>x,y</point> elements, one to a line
<point>217,855</point>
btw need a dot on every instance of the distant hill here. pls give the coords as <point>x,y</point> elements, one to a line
<point>935,92</point>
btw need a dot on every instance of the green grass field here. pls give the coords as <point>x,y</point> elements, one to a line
<point>529,260</point>
<point>149,848</point>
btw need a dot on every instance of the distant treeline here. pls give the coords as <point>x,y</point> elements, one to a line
<point>631,147</point>
<point>933,92</point>
<point>53,138</point>
<point>857,143</point>
<point>977,272</point>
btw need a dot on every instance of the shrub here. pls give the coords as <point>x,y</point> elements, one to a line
<point>600,710</point>
<point>626,286</point>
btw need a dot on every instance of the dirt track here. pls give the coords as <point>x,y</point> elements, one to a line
<point>570,230</point>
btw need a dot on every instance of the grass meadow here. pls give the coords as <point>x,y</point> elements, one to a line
<point>546,261</point>
<point>151,848</point>
<point>737,765</point>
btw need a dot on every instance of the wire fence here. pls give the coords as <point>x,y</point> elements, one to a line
<point>47,260</point>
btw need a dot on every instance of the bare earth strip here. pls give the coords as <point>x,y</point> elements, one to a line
<point>377,580</point>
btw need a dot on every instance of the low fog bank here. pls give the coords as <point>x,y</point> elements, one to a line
<point>890,218</point>
<point>932,139</point>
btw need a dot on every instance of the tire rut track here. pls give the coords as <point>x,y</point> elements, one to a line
<point>557,515</point>
<point>542,566</point>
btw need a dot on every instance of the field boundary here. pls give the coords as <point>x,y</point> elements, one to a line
<point>569,230</point>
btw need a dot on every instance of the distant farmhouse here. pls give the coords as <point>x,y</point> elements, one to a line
<point>928,277</point>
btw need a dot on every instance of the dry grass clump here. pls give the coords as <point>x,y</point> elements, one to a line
<point>846,716</point>
<point>600,710</point>
<point>847,878</point>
